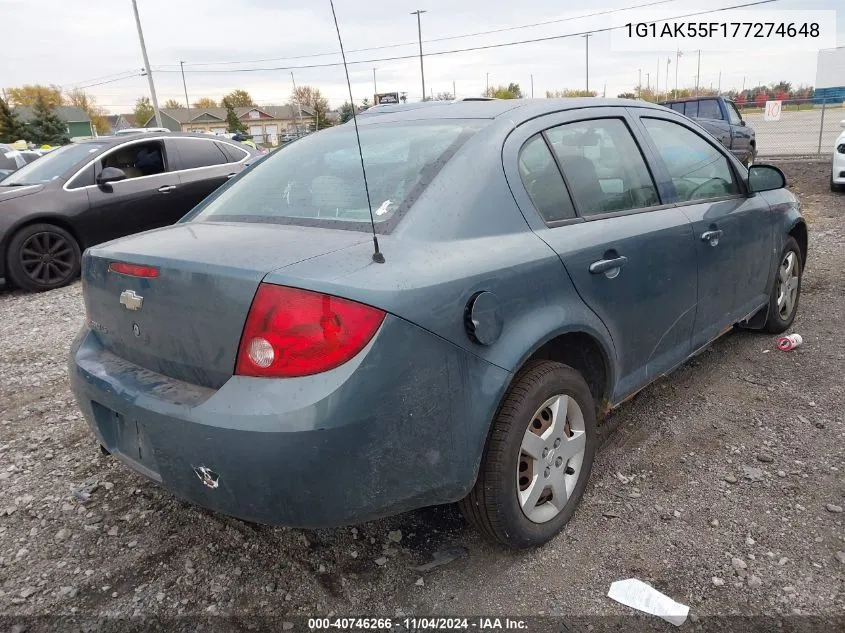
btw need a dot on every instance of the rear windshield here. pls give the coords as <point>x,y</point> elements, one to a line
<point>317,180</point>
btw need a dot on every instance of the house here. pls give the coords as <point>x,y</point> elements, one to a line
<point>264,123</point>
<point>120,122</point>
<point>78,123</point>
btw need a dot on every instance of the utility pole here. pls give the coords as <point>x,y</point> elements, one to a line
<point>657,81</point>
<point>454,92</point>
<point>698,73</point>
<point>147,65</point>
<point>668,61</point>
<point>587,38</point>
<point>487,92</point>
<point>532,86</point>
<point>604,92</point>
<point>720,82</point>
<point>677,64</point>
<point>299,107</point>
<point>375,89</point>
<point>640,83</point>
<point>418,13</point>
<point>648,81</point>
<point>187,101</point>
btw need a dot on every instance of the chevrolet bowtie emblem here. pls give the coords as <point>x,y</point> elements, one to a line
<point>131,300</point>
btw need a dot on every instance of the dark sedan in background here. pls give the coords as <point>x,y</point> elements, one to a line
<point>90,192</point>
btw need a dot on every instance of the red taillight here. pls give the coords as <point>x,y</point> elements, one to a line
<point>291,332</point>
<point>133,270</point>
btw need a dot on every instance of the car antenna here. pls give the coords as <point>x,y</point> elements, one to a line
<point>378,257</point>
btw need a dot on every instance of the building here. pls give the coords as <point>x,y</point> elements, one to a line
<point>266,124</point>
<point>120,122</point>
<point>78,123</point>
<point>830,76</point>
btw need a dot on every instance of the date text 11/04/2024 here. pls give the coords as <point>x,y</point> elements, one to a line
<point>684,30</point>
<point>418,624</point>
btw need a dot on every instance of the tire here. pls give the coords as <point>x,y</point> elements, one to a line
<point>751,157</point>
<point>836,188</point>
<point>493,505</point>
<point>780,316</point>
<point>59,257</point>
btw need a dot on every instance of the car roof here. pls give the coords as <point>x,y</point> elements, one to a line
<point>117,140</point>
<point>517,109</point>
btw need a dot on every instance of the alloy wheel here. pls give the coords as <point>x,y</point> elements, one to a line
<point>788,279</point>
<point>550,460</point>
<point>47,258</point>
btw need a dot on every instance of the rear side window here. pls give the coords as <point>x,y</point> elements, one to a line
<point>603,166</point>
<point>709,109</point>
<point>543,181</point>
<point>698,170</point>
<point>7,159</point>
<point>691,109</point>
<point>317,181</point>
<point>199,153</point>
<point>234,154</point>
<point>677,107</point>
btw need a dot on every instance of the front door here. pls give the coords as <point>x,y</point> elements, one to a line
<point>631,258</point>
<point>143,201</point>
<point>733,232</point>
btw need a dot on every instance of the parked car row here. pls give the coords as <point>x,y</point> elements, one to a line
<point>12,159</point>
<point>93,191</point>
<point>537,263</point>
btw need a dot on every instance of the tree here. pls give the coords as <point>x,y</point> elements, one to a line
<point>311,98</point>
<point>46,126</point>
<point>143,111</point>
<point>239,99</point>
<point>28,95</point>
<point>204,102</point>
<point>567,93</point>
<point>173,103</point>
<point>11,129</point>
<point>365,105</point>
<point>511,91</point>
<point>233,124</point>
<point>626,95</point>
<point>760,99</point>
<point>345,112</point>
<point>85,102</point>
<point>444,96</point>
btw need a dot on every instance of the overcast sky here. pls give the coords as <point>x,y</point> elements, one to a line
<point>60,42</point>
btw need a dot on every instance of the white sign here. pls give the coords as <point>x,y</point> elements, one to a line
<point>772,111</point>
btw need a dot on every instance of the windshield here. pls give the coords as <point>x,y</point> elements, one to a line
<point>317,180</point>
<point>52,165</point>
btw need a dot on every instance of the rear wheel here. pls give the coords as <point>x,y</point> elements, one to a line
<point>538,458</point>
<point>751,156</point>
<point>835,187</point>
<point>42,257</point>
<point>783,302</point>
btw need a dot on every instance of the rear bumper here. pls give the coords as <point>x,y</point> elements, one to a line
<point>398,427</point>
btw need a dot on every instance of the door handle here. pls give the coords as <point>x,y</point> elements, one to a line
<point>232,175</point>
<point>166,188</point>
<point>608,265</point>
<point>711,236</point>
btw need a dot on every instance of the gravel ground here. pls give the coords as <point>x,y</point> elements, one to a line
<point>722,485</point>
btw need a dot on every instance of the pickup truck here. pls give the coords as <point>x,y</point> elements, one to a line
<point>721,118</point>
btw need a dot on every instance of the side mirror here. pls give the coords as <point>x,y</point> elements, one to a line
<point>110,174</point>
<point>765,178</point>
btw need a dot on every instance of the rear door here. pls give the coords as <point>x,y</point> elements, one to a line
<point>631,258</point>
<point>143,201</point>
<point>203,165</point>
<point>711,118</point>
<point>733,231</point>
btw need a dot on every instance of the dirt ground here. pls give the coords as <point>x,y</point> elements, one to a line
<point>721,485</point>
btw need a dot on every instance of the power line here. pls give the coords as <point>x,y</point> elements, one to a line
<point>111,81</point>
<point>85,81</point>
<point>438,39</point>
<point>470,48</point>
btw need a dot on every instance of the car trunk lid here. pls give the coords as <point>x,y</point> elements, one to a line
<point>186,322</point>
